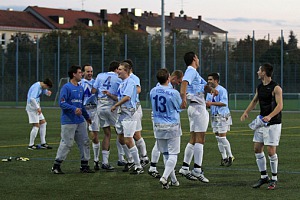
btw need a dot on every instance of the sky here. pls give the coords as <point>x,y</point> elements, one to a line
<point>240,18</point>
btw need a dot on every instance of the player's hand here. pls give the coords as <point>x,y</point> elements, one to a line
<point>78,111</point>
<point>49,93</point>
<point>266,118</point>
<point>244,116</point>
<point>39,111</point>
<point>208,103</point>
<point>113,108</point>
<point>89,121</point>
<point>183,104</point>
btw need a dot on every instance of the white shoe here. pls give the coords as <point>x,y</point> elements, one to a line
<point>187,174</point>
<point>164,183</point>
<point>200,176</point>
<point>176,184</point>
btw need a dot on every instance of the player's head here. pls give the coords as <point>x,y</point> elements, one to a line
<point>162,75</point>
<point>74,72</point>
<point>48,82</point>
<point>129,61</point>
<point>190,58</point>
<point>213,79</point>
<point>176,77</point>
<point>113,66</point>
<point>87,71</point>
<point>267,68</point>
<point>123,70</point>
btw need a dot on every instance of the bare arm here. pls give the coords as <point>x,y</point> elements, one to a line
<point>138,89</point>
<point>183,88</point>
<point>119,103</point>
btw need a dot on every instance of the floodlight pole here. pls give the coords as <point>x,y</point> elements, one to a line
<point>163,52</point>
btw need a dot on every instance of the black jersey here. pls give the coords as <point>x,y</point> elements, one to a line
<point>267,101</point>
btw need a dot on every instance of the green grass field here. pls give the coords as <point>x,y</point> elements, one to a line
<point>33,179</point>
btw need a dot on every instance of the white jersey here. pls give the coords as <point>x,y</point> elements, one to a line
<point>137,83</point>
<point>33,96</point>
<point>87,88</point>
<point>195,88</point>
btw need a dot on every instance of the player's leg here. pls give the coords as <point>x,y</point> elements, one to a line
<point>34,120</point>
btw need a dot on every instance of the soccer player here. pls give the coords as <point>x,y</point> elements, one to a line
<point>73,125</point>
<point>127,114</point>
<point>140,142</point>
<point>192,88</point>
<point>166,103</point>
<point>106,85</point>
<point>220,118</point>
<point>175,79</point>
<point>269,96</point>
<point>34,111</point>
<point>90,104</point>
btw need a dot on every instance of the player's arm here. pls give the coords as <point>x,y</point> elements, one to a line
<point>119,103</point>
<point>279,102</point>
<point>183,89</point>
<point>107,93</point>
<point>138,89</point>
<point>250,107</point>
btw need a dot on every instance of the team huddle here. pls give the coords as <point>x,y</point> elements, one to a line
<point>112,100</point>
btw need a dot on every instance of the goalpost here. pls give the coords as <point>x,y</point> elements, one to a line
<point>62,81</point>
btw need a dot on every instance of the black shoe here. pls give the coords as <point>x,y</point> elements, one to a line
<point>230,161</point>
<point>56,170</point>
<point>137,171</point>
<point>32,147</point>
<point>86,169</point>
<point>144,161</point>
<point>108,167</point>
<point>154,174</point>
<point>122,163</point>
<point>224,162</point>
<point>45,146</point>
<point>260,182</point>
<point>128,167</point>
<point>96,165</point>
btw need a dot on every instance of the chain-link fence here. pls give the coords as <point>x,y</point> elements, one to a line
<point>24,61</point>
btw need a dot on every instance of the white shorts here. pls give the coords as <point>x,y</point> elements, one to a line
<point>198,117</point>
<point>106,117</point>
<point>94,118</point>
<point>172,145</point>
<point>139,116</point>
<point>34,117</point>
<point>221,124</point>
<point>126,126</point>
<point>269,135</point>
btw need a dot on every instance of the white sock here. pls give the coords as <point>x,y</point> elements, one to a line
<point>155,154</point>
<point>221,148</point>
<point>274,165</point>
<point>188,153</point>
<point>226,146</point>
<point>33,134</point>
<point>261,161</point>
<point>105,155</point>
<point>141,145</point>
<point>135,156</point>
<point>198,154</point>
<point>43,132</point>
<point>170,164</point>
<point>127,153</point>
<point>96,149</point>
<point>120,151</point>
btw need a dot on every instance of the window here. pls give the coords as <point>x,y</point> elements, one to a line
<point>2,39</point>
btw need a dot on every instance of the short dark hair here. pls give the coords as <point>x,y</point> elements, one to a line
<point>162,75</point>
<point>129,61</point>
<point>48,82</point>
<point>268,68</point>
<point>83,67</point>
<point>73,69</point>
<point>189,57</point>
<point>215,76</point>
<point>113,65</point>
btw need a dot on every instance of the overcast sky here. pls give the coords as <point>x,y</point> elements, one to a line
<point>238,17</point>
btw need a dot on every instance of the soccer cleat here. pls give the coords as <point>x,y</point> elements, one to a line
<point>128,166</point>
<point>200,176</point>
<point>176,184</point>
<point>96,165</point>
<point>272,184</point>
<point>187,174</point>
<point>260,182</point>
<point>145,161</point>
<point>107,167</point>
<point>224,162</point>
<point>86,169</point>
<point>137,171</point>
<point>32,147</point>
<point>122,163</point>
<point>56,170</point>
<point>229,162</point>
<point>154,174</point>
<point>45,146</point>
<point>164,183</point>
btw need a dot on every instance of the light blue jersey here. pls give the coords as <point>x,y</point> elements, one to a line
<point>107,81</point>
<point>137,83</point>
<point>34,93</point>
<point>165,103</point>
<point>221,97</point>
<point>87,88</point>
<point>128,88</point>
